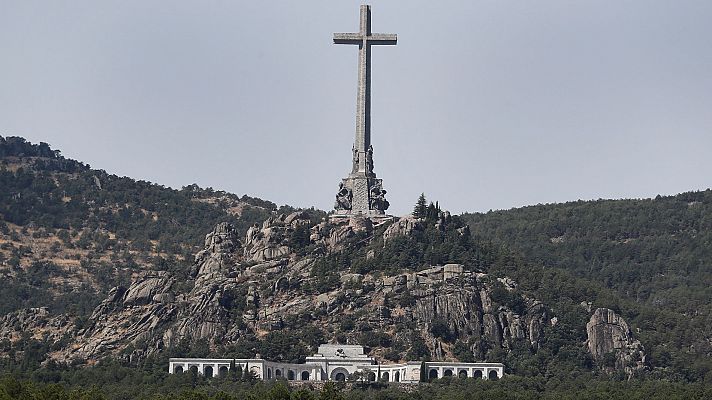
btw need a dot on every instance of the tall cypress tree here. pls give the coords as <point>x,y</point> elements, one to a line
<point>233,370</point>
<point>423,373</point>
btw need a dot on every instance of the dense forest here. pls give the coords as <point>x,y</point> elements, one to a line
<point>70,233</point>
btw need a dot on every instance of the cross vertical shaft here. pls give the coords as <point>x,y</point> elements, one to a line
<point>364,39</point>
<point>363,98</point>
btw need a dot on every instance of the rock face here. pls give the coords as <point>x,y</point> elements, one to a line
<point>271,240</point>
<point>464,303</point>
<point>37,321</point>
<point>402,227</point>
<point>241,290</point>
<point>611,342</point>
<point>332,235</point>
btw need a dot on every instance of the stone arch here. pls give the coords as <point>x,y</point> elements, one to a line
<point>462,374</point>
<point>433,374</point>
<point>222,371</point>
<point>493,375</point>
<point>277,373</point>
<point>290,375</point>
<point>477,374</point>
<point>448,372</point>
<point>208,371</point>
<point>339,374</point>
<point>396,377</point>
<point>305,375</point>
<point>385,376</point>
<point>178,369</point>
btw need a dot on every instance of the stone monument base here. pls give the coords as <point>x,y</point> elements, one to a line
<point>377,217</point>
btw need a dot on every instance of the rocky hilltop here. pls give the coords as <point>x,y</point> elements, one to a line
<point>245,293</point>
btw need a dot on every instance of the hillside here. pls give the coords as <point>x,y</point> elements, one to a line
<point>108,271</point>
<point>654,254</point>
<point>70,233</point>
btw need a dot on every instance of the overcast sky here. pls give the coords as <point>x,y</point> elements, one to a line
<point>481,105</point>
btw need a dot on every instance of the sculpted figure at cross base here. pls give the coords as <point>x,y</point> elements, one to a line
<point>369,160</point>
<point>378,198</point>
<point>343,198</point>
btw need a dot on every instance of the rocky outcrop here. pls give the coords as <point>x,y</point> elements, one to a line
<point>36,321</point>
<point>271,241</point>
<point>404,226</point>
<point>334,235</point>
<point>151,315</point>
<point>149,288</point>
<point>611,342</point>
<point>238,291</point>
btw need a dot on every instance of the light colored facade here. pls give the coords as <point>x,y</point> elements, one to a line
<point>338,363</point>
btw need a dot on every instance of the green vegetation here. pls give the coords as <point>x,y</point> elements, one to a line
<point>650,260</point>
<point>112,381</point>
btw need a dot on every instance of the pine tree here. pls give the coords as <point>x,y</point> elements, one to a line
<point>421,207</point>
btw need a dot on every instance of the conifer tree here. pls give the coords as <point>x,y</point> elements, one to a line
<point>421,207</point>
<point>423,373</point>
<point>233,370</point>
<point>238,373</point>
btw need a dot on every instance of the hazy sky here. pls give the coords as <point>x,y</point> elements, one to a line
<point>481,105</point>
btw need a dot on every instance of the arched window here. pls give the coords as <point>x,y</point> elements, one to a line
<point>194,369</point>
<point>340,377</point>
<point>397,376</point>
<point>278,373</point>
<point>478,374</point>
<point>493,376</point>
<point>433,374</point>
<point>222,371</point>
<point>208,371</point>
<point>305,375</point>
<point>290,375</point>
<point>385,377</point>
<point>178,369</point>
<point>371,376</point>
<point>269,373</point>
<point>448,372</point>
<point>462,374</point>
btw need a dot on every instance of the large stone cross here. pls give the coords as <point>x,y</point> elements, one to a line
<point>364,39</point>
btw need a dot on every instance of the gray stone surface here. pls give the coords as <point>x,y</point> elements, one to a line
<point>361,193</point>
<point>609,335</point>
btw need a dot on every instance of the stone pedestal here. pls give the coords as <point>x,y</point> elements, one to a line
<point>361,195</point>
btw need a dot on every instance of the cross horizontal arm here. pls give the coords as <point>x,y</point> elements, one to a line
<point>382,38</point>
<point>348,38</point>
<point>373,39</point>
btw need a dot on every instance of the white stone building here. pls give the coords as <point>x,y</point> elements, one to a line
<point>338,363</point>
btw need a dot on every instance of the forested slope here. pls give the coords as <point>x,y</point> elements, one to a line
<point>654,254</point>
